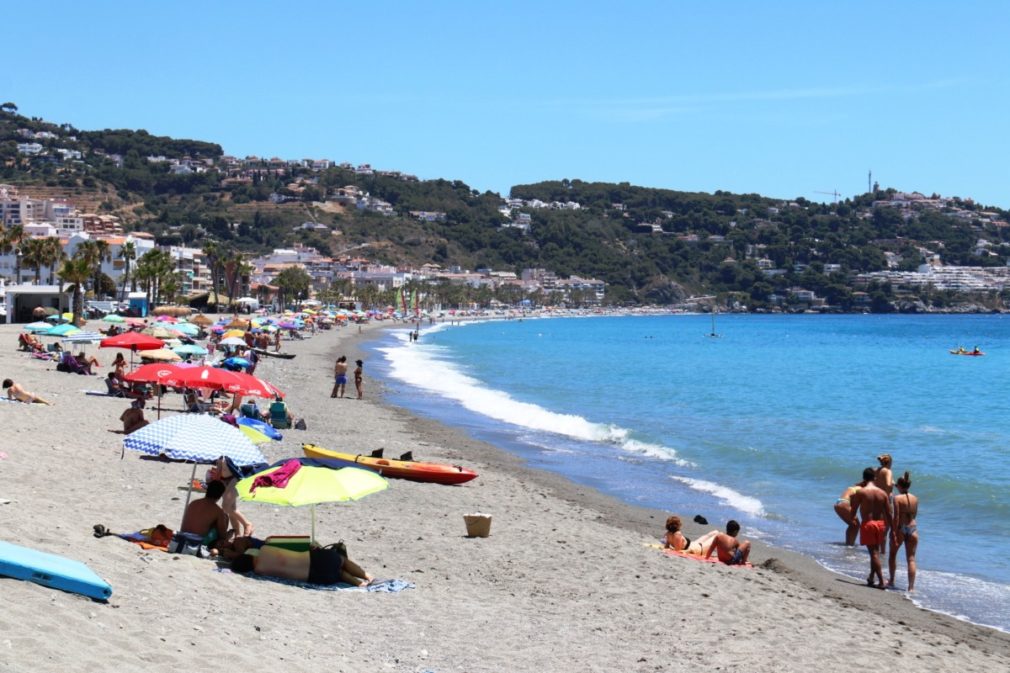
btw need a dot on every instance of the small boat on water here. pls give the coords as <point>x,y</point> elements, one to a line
<point>972,353</point>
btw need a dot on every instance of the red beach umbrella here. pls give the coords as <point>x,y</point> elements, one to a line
<point>253,385</point>
<point>132,340</point>
<point>156,372</point>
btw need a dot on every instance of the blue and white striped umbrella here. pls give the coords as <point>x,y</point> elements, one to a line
<point>194,437</point>
<point>84,337</point>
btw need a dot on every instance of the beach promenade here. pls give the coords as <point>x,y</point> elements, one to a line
<point>567,580</point>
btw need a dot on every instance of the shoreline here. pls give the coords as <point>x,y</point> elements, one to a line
<point>565,582</point>
<point>797,566</point>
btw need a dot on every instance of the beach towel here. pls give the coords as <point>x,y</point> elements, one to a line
<point>376,586</point>
<point>711,559</point>
<point>148,538</point>
<point>279,478</point>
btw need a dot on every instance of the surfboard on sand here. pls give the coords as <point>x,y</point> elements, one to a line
<point>52,571</point>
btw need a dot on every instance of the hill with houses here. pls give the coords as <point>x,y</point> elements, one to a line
<point>235,226</point>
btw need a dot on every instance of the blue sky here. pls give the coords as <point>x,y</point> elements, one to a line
<point>780,98</point>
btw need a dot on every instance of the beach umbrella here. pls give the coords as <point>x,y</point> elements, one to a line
<point>66,329</point>
<point>234,333</point>
<point>54,319</point>
<point>40,326</point>
<point>186,329</point>
<point>132,340</point>
<point>313,484</point>
<point>159,332</point>
<point>114,318</point>
<point>190,349</point>
<point>80,337</point>
<point>201,320</point>
<point>236,362</point>
<point>195,438</point>
<point>156,372</point>
<point>160,355</point>
<point>232,341</point>
<point>136,322</point>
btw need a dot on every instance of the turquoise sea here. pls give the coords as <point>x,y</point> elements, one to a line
<point>767,423</point>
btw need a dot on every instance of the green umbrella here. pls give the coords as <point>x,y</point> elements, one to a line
<point>312,485</point>
<point>114,317</point>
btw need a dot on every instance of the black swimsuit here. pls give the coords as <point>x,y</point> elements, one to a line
<point>325,565</point>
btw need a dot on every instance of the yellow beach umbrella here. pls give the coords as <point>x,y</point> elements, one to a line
<point>160,355</point>
<point>233,333</point>
<point>311,485</point>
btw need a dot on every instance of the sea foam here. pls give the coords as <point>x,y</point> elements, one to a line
<point>425,366</point>
<point>734,499</point>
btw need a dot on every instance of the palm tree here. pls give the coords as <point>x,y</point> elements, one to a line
<point>76,270</point>
<point>212,252</point>
<point>54,254</point>
<point>32,252</point>
<point>236,271</point>
<point>127,253</point>
<point>14,235</point>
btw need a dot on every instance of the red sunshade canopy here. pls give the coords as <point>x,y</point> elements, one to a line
<point>133,341</point>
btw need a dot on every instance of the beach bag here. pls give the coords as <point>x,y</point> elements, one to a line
<point>300,424</point>
<point>188,544</point>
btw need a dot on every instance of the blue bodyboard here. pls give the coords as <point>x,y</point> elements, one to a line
<point>52,571</point>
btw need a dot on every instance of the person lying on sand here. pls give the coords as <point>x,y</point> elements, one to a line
<point>204,517</point>
<point>731,551</point>
<point>16,392</point>
<point>676,540</point>
<point>320,565</point>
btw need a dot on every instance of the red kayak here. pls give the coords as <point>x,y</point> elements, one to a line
<point>435,473</point>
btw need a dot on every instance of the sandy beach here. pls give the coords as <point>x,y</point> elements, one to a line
<point>565,582</point>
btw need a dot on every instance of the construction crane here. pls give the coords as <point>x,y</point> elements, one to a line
<point>832,193</point>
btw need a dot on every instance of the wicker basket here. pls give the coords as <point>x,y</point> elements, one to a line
<point>477,524</point>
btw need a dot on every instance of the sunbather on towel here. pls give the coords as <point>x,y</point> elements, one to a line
<point>16,392</point>
<point>320,565</point>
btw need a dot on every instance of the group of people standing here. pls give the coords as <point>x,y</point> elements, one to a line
<point>340,377</point>
<point>871,509</point>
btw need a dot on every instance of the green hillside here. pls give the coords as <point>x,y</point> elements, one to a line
<point>649,245</point>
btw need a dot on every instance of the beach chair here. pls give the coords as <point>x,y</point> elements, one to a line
<point>279,416</point>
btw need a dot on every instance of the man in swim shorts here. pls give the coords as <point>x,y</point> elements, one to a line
<point>871,504</point>
<point>731,551</point>
<point>340,377</point>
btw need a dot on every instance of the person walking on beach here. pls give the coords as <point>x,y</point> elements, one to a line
<point>339,377</point>
<point>843,508</point>
<point>358,377</point>
<point>731,551</point>
<point>904,530</point>
<point>872,506</point>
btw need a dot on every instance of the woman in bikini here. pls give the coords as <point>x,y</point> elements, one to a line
<point>677,541</point>
<point>904,530</point>
<point>843,508</point>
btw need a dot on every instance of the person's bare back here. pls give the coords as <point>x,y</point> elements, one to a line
<point>205,514</point>
<point>872,504</point>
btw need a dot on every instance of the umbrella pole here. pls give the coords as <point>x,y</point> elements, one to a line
<point>312,537</point>
<point>189,494</point>
<point>159,410</point>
